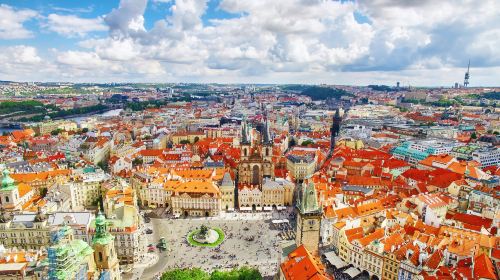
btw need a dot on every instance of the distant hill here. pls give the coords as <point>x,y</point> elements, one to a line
<point>317,92</point>
<point>322,93</point>
<point>295,87</point>
<point>382,88</point>
<point>492,95</point>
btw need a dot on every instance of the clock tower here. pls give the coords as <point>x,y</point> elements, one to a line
<point>308,219</point>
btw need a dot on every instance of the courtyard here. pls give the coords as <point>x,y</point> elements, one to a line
<point>250,240</point>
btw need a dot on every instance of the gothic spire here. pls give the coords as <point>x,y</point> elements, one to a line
<point>244,135</point>
<point>267,134</point>
<point>309,200</point>
<point>335,128</point>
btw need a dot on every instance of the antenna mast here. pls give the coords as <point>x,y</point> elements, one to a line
<point>467,75</point>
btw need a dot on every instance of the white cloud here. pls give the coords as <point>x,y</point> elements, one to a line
<point>128,18</point>
<point>22,62</point>
<point>406,32</point>
<point>186,14</point>
<point>12,20</point>
<point>20,54</point>
<point>71,25</point>
<point>316,41</point>
<point>80,60</point>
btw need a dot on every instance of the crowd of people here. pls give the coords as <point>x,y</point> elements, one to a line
<point>247,243</point>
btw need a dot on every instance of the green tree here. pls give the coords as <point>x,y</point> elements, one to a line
<point>184,142</point>
<point>322,93</point>
<point>103,165</point>
<point>203,230</point>
<point>473,135</point>
<point>402,109</point>
<point>43,192</point>
<point>56,131</point>
<point>185,274</point>
<point>307,143</point>
<point>31,106</point>
<point>137,161</point>
<point>244,273</point>
<point>85,130</point>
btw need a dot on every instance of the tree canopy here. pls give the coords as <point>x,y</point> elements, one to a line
<point>185,274</point>
<point>307,142</point>
<point>382,88</point>
<point>322,93</point>
<point>32,106</point>
<point>244,273</point>
<point>492,95</point>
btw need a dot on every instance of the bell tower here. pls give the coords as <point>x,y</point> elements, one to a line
<point>245,141</point>
<point>334,129</point>
<point>308,219</point>
<point>103,244</point>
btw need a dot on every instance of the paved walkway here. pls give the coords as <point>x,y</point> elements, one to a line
<point>250,240</point>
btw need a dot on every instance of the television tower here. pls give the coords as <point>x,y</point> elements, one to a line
<point>467,75</point>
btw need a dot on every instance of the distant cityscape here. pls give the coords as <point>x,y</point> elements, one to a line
<point>149,181</point>
<point>249,140</point>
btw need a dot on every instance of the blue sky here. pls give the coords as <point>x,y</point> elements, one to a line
<point>282,41</point>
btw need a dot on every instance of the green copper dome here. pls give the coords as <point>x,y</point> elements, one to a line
<point>7,181</point>
<point>102,235</point>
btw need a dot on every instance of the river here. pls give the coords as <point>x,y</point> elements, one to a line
<point>79,119</point>
<point>111,113</point>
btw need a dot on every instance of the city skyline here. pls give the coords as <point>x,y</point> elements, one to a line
<point>228,41</point>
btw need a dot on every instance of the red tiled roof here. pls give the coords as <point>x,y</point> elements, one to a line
<point>300,265</point>
<point>483,268</point>
<point>435,259</point>
<point>495,254</point>
<point>472,220</point>
<point>151,153</point>
<point>377,234</point>
<point>416,174</point>
<point>442,178</point>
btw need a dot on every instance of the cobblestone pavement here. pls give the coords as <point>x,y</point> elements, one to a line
<point>250,240</point>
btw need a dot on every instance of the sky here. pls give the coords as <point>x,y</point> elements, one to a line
<point>418,43</point>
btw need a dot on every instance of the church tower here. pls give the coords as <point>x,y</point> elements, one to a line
<point>227,189</point>
<point>245,141</point>
<point>267,143</point>
<point>334,129</point>
<point>105,256</point>
<point>9,192</point>
<point>308,218</point>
